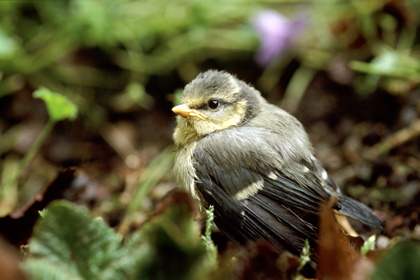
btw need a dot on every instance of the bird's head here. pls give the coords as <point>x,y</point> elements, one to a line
<point>213,101</point>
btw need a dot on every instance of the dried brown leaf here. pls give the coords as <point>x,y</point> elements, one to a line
<point>17,227</point>
<point>338,256</point>
<point>10,263</point>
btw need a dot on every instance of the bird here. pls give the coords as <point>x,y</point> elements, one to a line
<point>254,163</point>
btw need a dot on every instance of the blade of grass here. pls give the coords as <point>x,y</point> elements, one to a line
<point>11,181</point>
<point>297,87</point>
<point>154,172</point>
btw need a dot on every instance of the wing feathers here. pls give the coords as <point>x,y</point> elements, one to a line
<point>284,195</point>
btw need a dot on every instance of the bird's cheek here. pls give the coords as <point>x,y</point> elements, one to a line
<point>203,128</point>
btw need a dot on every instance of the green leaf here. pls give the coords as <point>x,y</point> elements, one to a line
<point>177,97</point>
<point>69,239</point>
<point>41,269</point>
<point>8,45</point>
<point>389,63</point>
<point>367,245</point>
<point>400,262</point>
<point>42,212</point>
<point>178,250</point>
<point>58,106</point>
<point>305,255</point>
<point>68,243</point>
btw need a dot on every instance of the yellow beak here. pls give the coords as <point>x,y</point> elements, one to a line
<point>185,111</point>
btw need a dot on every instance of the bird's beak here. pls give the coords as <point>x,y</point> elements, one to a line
<point>185,111</point>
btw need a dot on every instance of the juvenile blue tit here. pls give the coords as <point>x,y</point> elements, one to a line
<point>254,163</point>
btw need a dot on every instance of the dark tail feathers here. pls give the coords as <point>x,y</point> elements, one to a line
<point>359,211</point>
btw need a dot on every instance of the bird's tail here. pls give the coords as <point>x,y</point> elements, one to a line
<point>359,211</point>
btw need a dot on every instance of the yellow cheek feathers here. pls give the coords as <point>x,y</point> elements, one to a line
<point>203,124</point>
<point>185,111</point>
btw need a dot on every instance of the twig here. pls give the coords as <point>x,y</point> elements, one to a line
<point>396,139</point>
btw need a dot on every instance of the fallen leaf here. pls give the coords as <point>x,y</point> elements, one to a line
<point>10,263</point>
<point>16,228</point>
<point>339,254</point>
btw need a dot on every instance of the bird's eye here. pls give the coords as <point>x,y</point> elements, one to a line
<point>213,104</point>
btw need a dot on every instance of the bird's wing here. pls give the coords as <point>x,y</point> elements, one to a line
<point>247,160</point>
<point>255,218</point>
<point>262,188</point>
<point>243,174</point>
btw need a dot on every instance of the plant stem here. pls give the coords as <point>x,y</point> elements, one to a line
<point>35,147</point>
<point>11,182</point>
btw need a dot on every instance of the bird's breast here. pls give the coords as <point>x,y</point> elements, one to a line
<point>184,169</point>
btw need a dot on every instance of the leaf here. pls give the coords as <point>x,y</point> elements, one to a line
<point>42,213</point>
<point>40,269</point>
<point>58,106</point>
<point>367,245</point>
<point>8,45</point>
<point>10,263</point>
<point>389,63</point>
<point>305,255</point>
<point>400,262</point>
<point>69,239</point>
<point>17,227</point>
<point>338,259</point>
<point>177,97</point>
<point>68,243</point>
<point>178,249</point>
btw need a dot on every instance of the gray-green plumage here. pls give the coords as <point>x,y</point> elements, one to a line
<point>254,162</point>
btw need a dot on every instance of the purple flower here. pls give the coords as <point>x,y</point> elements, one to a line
<point>276,33</point>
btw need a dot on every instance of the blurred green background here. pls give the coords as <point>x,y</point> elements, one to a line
<point>121,56</point>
